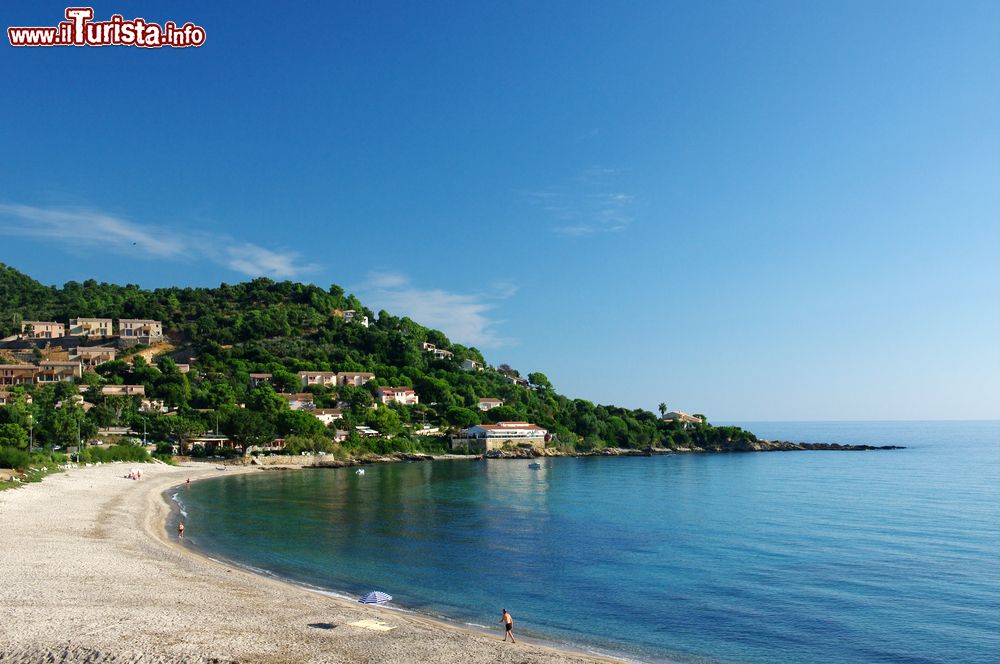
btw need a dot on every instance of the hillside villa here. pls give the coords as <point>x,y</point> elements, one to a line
<point>140,329</point>
<point>18,374</point>
<point>351,316</point>
<point>401,395</point>
<point>52,371</point>
<point>487,437</point>
<point>439,353</point>
<point>76,400</point>
<point>258,379</point>
<point>680,416</point>
<point>489,403</point>
<point>90,327</point>
<point>471,365</point>
<point>124,390</point>
<point>36,329</point>
<point>299,401</point>
<point>355,378</point>
<point>327,415</point>
<point>91,356</point>
<point>318,378</point>
<point>516,380</point>
<point>7,398</point>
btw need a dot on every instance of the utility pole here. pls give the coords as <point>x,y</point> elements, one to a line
<point>78,440</point>
<point>31,432</point>
<point>144,432</point>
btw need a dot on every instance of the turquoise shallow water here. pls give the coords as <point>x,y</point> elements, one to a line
<point>776,557</point>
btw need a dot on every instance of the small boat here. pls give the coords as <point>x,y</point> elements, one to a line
<point>534,465</point>
<point>359,471</point>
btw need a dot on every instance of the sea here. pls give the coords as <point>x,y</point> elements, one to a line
<point>806,556</point>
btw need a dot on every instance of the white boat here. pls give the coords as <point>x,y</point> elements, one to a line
<point>359,471</point>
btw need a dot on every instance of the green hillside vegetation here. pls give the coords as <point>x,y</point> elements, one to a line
<point>281,328</point>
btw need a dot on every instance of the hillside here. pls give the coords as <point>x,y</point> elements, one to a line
<point>280,328</point>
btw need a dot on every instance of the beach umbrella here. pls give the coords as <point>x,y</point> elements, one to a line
<point>376,597</point>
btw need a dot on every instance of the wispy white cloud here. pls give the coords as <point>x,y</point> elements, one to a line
<point>98,230</point>
<point>463,317</point>
<point>590,205</point>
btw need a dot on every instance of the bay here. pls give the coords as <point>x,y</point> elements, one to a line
<point>887,556</point>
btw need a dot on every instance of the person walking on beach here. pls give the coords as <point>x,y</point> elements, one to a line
<point>508,623</point>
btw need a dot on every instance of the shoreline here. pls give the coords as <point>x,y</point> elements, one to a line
<point>338,595</point>
<point>287,461</point>
<point>92,574</point>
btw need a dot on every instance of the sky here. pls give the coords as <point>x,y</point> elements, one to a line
<point>753,210</point>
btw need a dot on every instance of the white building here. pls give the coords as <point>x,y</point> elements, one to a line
<point>471,365</point>
<point>327,415</point>
<point>327,378</point>
<point>486,437</point>
<point>489,404</point>
<point>351,316</point>
<point>680,416</point>
<point>355,378</point>
<point>403,395</point>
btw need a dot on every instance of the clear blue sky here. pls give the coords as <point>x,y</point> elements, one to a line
<point>773,210</point>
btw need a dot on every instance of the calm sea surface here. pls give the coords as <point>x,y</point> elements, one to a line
<point>889,556</point>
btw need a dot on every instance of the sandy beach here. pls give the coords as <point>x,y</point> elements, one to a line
<point>89,574</point>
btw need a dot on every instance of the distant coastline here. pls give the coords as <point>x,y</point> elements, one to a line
<point>329,461</point>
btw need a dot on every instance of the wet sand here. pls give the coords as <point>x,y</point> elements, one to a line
<point>89,574</point>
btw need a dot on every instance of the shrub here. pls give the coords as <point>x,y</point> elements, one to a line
<point>14,458</point>
<point>114,453</point>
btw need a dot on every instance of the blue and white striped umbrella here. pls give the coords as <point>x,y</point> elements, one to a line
<point>376,597</point>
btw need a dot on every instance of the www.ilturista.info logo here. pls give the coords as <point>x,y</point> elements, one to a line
<point>79,29</point>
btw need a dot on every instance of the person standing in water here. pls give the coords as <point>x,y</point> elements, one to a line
<point>508,623</point>
<point>180,530</point>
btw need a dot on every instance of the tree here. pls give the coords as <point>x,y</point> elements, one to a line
<point>461,417</point>
<point>265,400</point>
<point>539,380</point>
<point>663,408</point>
<point>12,435</point>
<point>385,421</point>
<point>299,423</point>
<point>69,425</point>
<point>247,428</point>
